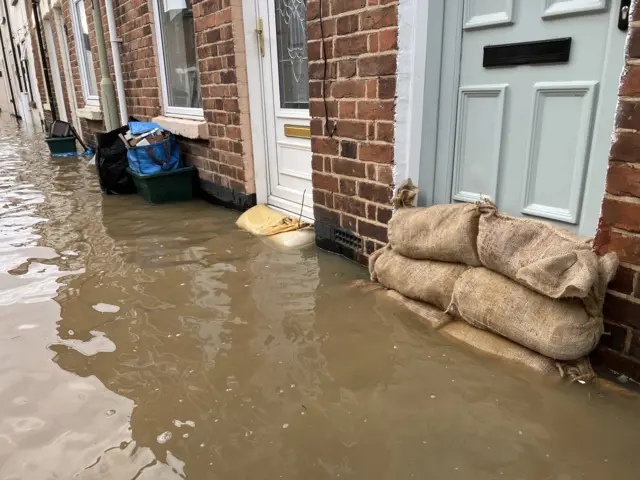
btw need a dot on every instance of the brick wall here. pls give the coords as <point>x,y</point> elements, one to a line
<point>352,170</point>
<point>140,71</point>
<point>223,79</point>
<point>89,128</point>
<point>619,228</point>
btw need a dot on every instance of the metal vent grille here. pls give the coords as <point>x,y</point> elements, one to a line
<point>347,239</point>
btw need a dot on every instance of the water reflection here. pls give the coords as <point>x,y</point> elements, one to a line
<point>153,342</point>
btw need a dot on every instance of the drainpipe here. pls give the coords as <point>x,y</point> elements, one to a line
<point>115,53</point>
<point>45,62</point>
<point>107,90</point>
<point>13,48</point>
<point>6,64</point>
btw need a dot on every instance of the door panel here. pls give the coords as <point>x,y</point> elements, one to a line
<point>286,100</point>
<point>478,142</point>
<point>534,157</point>
<point>561,122</point>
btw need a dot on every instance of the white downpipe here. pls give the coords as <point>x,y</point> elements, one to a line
<point>117,68</point>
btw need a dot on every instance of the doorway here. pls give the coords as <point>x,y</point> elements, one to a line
<point>532,134</point>
<point>279,100</point>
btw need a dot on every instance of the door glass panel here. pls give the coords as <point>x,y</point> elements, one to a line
<point>291,31</point>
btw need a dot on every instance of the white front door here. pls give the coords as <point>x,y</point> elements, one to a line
<point>285,100</point>
<point>533,121</point>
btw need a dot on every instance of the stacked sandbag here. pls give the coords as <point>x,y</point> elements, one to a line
<point>538,288</point>
<point>559,329</point>
<point>446,233</point>
<point>424,280</point>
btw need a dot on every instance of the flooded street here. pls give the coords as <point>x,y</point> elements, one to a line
<point>161,342</point>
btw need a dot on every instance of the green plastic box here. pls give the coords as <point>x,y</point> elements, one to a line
<point>61,144</point>
<point>165,187</point>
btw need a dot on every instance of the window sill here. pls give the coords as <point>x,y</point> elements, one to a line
<point>194,129</point>
<point>90,113</point>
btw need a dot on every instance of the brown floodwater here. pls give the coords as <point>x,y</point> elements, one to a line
<point>161,342</point>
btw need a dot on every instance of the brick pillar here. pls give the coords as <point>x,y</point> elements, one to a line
<point>352,170</point>
<point>619,226</point>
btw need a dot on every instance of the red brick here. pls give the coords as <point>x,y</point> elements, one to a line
<point>620,214</point>
<point>351,45</point>
<point>617,362</point>
<point>347,109</point>
<point>317,108</point>
<point>628,115</point>
<point>376,110</point>
<point>387,88</point>
<point>349,149</point>
<point>374,19</point>
<point>371,211</point>
<point>347,167</point>
<point>388,40</point>
<point>325,146</point>
<point>372,88</point>
<point>627,246</point>
<point>342,6</point>
<point>347,187</point>
<point>347,24</point>
<point>625,280</point>
<point>377,65</point>
<point>349,89</point>
<point>385,132</point>
<point>316,163</point>
<point>623,179</point>
<point>622,310</point>
<point>346,68</point>
<point>385,174</point>
<point>633,43</point>
<point>374,192</point>
<point>378,153</point>
<point>626,147</point>
<point>348,222</point>
<point>352,129</point>
<point>323,215</point>
<point>630,81</point>
<point>384,214</point>
<point>350,205</point>
<point>324,182</point>
<point>371,230</point>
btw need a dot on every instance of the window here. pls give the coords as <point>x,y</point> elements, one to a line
<point>178,62</point>
<point>83,50</point>
<point>293,64</point>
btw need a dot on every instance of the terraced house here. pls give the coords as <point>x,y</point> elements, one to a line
<point>323,106</point>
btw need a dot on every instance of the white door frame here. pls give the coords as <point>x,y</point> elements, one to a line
<point>427,102</point>
<point>66,67</point>
<point>257,108</point>
<point>55,68</point>
<point>263,127</point>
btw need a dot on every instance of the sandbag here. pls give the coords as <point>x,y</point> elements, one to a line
<point>500,348</point>
<point>425,280</point>
<point>263,220</point>
<point>429,315</point>
<point>446,233</point>
<point>560,329</point>
<point>551,261</point>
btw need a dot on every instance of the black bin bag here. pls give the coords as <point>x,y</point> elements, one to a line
<point>111,162</point>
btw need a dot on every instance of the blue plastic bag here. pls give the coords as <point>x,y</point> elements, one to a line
<point>158,157</point>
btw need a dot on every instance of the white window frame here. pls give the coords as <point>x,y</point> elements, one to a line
<point>89,99</point>
<point>169,111</point>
